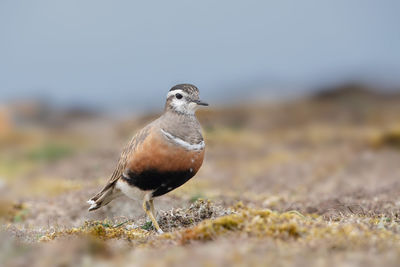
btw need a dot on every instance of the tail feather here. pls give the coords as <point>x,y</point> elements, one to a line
<point>93,205</point>
<point>102,198</point>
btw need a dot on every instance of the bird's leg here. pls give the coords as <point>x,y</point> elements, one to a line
<point>152,208</point>
<point>148,207</point>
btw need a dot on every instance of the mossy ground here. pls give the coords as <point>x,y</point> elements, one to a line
<point>352,231</point>
<point>311,183</point>
<point>258,231</point>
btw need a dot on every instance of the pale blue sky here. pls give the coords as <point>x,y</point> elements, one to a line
<point>126,54</point>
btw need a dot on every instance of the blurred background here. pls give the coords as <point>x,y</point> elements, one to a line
<point>304,111</point>
<point>124,55</point>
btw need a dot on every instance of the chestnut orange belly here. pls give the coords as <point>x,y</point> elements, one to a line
<point>161,166</point>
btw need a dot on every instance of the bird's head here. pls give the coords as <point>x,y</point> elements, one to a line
<point>184,99</point>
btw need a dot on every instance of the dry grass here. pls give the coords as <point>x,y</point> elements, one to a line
<point>310,183</point>
<point>101,240</point>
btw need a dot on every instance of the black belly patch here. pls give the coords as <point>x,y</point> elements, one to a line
<point>160,182</point>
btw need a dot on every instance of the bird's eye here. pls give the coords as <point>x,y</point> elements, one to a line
<point>179,96</point>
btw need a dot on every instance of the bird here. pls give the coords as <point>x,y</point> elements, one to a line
<point>161,157</point>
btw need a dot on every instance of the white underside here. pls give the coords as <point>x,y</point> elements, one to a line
<point>130,191</point>
<point>183,143</point>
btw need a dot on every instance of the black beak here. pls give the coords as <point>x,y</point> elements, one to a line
<point>201,103</point>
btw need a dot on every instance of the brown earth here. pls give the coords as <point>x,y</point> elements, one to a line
<point>311,182</point>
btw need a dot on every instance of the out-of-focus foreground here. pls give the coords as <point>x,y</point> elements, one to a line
<point>308,182</point>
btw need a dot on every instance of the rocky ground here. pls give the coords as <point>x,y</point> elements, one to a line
<point>313,182</point>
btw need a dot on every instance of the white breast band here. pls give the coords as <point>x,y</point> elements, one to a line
<point>183,143</point>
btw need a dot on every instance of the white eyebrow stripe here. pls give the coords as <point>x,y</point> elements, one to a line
<point>175,92</point>
<point>183,143</point>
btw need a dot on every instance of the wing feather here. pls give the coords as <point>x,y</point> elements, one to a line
<point>138,139</point>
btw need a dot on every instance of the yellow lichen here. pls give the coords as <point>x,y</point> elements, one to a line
<point>286,227</point>
<point>99,230</point>
<point>389,138</point>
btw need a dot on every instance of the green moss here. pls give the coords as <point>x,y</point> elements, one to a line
<point>11,168</point>
<point>196,197</point>
<point>147,226</point>
<point>49,152</point>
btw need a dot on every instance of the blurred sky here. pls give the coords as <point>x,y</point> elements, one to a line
<point>124,55</point>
